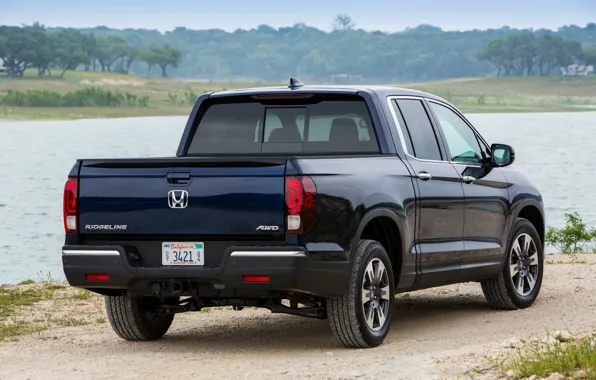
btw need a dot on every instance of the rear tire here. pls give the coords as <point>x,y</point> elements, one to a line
<point>520,280</point>
<point>136,318</point>
<point>362,316</point>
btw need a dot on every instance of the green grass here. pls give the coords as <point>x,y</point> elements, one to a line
<point>10,298</point>
<point>168,96</point>
<point>69,321</point>
<point>515,94</point>
<point>565,358</point>
<point>21,314</point>
<point>16,328</point>
<point>82,294</point>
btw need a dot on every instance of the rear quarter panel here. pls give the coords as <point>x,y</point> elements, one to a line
<point>351,189</point>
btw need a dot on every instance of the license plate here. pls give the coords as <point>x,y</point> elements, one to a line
<point>182,254</point>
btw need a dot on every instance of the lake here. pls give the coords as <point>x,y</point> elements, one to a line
<point>554,149</point>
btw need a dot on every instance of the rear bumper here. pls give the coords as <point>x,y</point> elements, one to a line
<point>290,270</point>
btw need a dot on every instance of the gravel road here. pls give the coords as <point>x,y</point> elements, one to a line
<point>437,333</point>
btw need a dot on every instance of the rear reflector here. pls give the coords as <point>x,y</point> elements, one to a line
<point>97,277</point>
<point>255,278</point>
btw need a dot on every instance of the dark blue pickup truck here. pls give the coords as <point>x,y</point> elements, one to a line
<point>318,201</point>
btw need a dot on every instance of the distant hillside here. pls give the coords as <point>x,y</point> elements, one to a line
<point>167,96</point>
<point>418,54</point>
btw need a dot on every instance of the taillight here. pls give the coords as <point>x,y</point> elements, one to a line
<point>70,205</point>
<point>301,195</point>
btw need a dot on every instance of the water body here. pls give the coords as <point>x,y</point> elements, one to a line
<point>554,149</point>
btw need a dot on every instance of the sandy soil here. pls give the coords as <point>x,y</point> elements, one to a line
<point>442,333</point>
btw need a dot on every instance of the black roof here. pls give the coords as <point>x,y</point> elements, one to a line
<point>382,91</point>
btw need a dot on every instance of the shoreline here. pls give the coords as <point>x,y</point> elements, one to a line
<point>465,110</point>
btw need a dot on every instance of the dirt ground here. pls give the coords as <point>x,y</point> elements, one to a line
<point>442,333</point>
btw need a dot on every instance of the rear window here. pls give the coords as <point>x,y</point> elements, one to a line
<point>328,126</point>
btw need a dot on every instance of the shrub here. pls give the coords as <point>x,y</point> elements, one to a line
<point>191,96</point>
<point>574,237</point>
<point>88,97</point>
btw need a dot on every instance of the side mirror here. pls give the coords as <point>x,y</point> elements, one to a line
<point>501,155</point>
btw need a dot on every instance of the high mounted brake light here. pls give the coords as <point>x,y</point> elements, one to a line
<point>70,204</point>
<point>301,193</point>
<point>283,96</point>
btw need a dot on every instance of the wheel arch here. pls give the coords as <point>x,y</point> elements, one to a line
<point>534,214</point>
<point>384,226</point>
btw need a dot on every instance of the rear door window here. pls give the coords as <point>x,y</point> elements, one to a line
<point>418,130</point>
<point>327,126</point>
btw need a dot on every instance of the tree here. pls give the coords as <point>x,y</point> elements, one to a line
<point>164,57</point>
<point>495,54</point>
<point>69,50</point>
<point>524,53</point>
<point>110,49</point>
<point>423,52</point>
<point>589,57</point>
<point>127,60</point>
<point>18,49</point>
<point>343,22</point>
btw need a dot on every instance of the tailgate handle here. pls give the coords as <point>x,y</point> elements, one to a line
<point>180,178</point>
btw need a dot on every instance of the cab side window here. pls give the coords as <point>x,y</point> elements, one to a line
<point>461,140</point>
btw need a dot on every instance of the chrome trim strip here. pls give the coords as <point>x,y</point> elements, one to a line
<point>390,99</point>
<point>403,141</point>
<point>268,254</point>
<point>85,252</point>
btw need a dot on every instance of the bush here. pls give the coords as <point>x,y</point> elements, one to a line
<point>574,237</point>
<point>191,96</point>
<point>574,357</point>
<point>88,97</point>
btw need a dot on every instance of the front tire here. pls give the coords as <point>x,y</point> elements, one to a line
<point>362,316</point>
<point>137,318</point>
<point>520,280</point>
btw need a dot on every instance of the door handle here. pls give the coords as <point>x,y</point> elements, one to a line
<point>425,176</point>
<point>468,179</point>
<point>178,178</point>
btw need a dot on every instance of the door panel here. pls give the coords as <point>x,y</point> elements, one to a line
<point>485,221</point>
<point>440,206</point>
<point>485,193</point>
<point>440,199</point>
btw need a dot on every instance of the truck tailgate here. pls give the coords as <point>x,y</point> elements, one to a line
<point>192,197</point>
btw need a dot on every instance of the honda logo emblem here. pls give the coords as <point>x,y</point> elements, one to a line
<point>178,198</point>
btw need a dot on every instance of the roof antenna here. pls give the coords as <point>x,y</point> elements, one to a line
<point>295,84</point>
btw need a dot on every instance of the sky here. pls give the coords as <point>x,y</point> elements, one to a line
<point>383,15</point>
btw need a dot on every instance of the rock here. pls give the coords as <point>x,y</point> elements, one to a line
<point>533,377</point>
<point>510,373</point>
<point>356,374</point>
<point>512,343</point>
<point>555,376</point>
<point>581,374</point>
<point>329,353</point>
<point>549,340</point>
<point>563,336</point>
